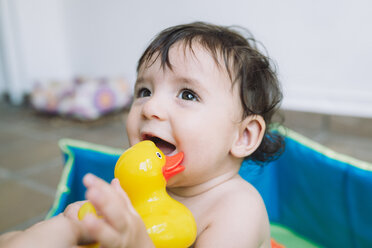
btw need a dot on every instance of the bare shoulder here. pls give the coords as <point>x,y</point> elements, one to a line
<point>238,217</point>
<point>244,203</point>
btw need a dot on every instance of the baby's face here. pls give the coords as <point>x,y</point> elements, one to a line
<point>192,108</point>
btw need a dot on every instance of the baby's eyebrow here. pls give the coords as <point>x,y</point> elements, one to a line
<point>188,80</point>
<point>139,80</point>
<point>194,83</point>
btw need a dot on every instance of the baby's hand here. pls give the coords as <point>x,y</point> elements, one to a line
<point>121,226</point>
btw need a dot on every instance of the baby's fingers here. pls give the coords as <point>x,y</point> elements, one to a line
<point>108,202</point>
<point>72,210</point>
<point>116,185</point>
<point>122,225</point>
<point>103,233</point>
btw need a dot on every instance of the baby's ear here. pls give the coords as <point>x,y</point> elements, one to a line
<point>249,136</point>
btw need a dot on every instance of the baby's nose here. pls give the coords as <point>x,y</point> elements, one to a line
<point>155,108</point>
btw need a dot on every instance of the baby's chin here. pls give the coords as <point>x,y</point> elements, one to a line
<point>176,182</point>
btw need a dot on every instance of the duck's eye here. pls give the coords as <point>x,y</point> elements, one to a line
<point>158,154</point>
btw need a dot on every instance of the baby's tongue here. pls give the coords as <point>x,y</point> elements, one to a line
<point>165,147</point>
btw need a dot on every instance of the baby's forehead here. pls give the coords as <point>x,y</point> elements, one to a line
<point>183,53</point>
<point>191,65</point>
<point>194,53</point>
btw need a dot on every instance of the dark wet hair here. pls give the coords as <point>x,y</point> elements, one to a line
<point>260,92</point>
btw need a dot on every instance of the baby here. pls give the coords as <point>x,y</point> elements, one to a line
<point>207,91</point>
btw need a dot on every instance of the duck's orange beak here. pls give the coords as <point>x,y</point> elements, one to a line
<point>173,165</point>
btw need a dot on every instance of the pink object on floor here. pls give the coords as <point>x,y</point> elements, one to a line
<point>83,99</point>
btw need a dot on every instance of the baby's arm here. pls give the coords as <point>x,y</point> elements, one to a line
<point>55,232</point>
<point>238,220</point>
<point>121,225</point>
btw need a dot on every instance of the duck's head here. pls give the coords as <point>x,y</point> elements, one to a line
<point>145,165</point>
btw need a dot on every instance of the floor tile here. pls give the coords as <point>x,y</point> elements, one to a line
<point>304,120</point>
<point>20,203</point>
<point>27,152</point>
<point>351,125</point>
<point>47,175</point>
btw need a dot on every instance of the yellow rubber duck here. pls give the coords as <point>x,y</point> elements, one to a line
<point>143,171</point>
<point>83,211</point>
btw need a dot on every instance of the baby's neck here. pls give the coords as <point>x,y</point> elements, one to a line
<point>195,190</point>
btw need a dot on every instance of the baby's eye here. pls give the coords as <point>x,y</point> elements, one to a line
<point>188,95</point>
<point>143,92</point>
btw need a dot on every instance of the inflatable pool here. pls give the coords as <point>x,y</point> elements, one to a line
<point>315,197</point>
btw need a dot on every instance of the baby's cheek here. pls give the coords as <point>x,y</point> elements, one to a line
<point>202,150</point>
<point>132,129</point>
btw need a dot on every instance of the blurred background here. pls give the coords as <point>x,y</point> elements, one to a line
<point>67,68</point>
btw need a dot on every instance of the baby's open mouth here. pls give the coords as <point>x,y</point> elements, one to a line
<point>166,147</point>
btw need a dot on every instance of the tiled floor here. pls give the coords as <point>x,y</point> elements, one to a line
<point>31,164</point>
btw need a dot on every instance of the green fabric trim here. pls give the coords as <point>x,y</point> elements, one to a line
<point>290,239</point>
<point>323,149</point>
<point>65,145</point>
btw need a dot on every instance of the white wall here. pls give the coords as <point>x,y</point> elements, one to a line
<point>44,41</point>
<point>323,48</point>
<point>3,85</point>
<point>34,44</point>
<point>325,63</point>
